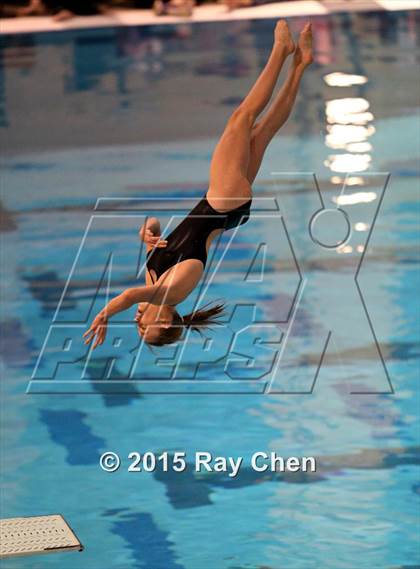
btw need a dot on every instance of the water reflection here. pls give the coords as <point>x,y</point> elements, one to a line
<point>340,137</point>
<point>340,79</point>
<point>350,180</point>
<point>345,163</point>
<point>346,131</point>
<point>359,147</point>
<point>361,226</point>
<point>357,197</point>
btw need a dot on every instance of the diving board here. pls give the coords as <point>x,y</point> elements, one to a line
<point>36,535</point>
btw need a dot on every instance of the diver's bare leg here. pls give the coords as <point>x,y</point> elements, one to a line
<point>279,111</point>
<point>229,185</point>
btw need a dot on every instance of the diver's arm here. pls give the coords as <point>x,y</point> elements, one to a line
<point>125,300</point>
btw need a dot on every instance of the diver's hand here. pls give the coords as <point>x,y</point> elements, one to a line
<point>97,331</point>
<point>151,239</point>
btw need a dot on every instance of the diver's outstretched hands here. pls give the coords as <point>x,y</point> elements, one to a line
<point>97,331</point>
<point>151,239</point>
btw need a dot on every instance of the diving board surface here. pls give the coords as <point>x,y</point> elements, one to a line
<point>36,535</point>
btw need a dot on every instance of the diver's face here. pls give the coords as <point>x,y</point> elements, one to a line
<point>152,319</point>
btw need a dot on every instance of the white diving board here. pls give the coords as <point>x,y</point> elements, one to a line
<point>36,535</point>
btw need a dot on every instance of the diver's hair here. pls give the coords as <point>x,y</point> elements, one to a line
<point>206,317</point>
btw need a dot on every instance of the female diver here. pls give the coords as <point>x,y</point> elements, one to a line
<point>175,265</point>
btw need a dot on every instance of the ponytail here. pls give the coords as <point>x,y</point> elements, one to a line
<point>205,317</point>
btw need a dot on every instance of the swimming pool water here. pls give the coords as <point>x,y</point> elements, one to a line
<point>135,113</point>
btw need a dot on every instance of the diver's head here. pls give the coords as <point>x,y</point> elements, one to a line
<point>160,325</point>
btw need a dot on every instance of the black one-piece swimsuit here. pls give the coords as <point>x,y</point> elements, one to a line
<point>188,240</point>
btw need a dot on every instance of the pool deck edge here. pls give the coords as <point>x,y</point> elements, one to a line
<point>206,13</point>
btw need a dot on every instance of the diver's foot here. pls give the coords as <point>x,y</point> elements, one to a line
<point>304,52</point>
<point>283,38</point>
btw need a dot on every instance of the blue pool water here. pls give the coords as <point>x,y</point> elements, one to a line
<point>135,113</point>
